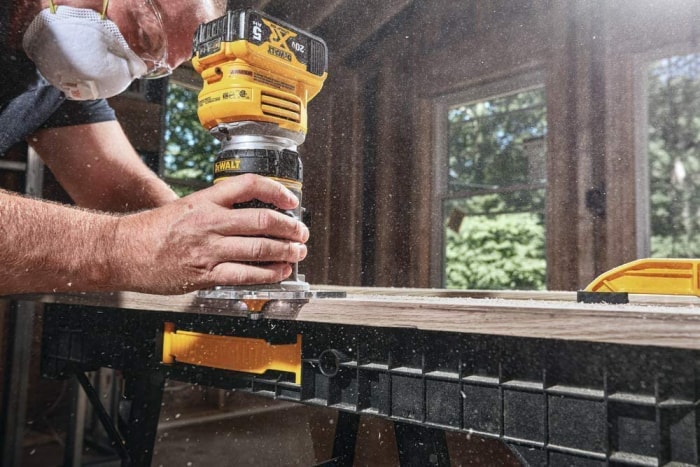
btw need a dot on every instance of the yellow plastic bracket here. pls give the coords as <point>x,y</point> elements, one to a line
<point>230,353</point>
<point>664,276</point>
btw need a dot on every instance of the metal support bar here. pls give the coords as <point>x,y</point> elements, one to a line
<point>16,166</point>
<point>34,181</point>
<point>118,441</point>
<point>72,455</point>
<point>420,446</point>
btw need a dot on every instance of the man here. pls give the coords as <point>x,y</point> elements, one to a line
<point>90,49</point>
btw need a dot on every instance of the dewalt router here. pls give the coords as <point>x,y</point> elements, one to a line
<point>259,74</point>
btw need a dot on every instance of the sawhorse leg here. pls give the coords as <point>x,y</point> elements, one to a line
<point>139,411</point>
<point>345,441</point>
<point>419,446</point>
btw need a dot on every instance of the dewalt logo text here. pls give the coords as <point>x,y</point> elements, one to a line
<point>228,164</point>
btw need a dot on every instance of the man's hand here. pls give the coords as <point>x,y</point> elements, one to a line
<point>199,241</point>
<point>195,242</point>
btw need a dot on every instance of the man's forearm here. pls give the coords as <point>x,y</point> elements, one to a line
<point>139,189</point>
<point>96,164</point>
<point>47,247</point>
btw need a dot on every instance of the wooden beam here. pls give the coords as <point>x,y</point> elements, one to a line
<point>365,21</point>
<point>649,320</point>
<point>306,15</point>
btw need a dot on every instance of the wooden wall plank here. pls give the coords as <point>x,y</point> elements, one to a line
<point>420,197</point>
<point>561,167</point>
<point>332,157</point>
<point>394,180</point>
<point>317,183</point>
<point>620,165</point>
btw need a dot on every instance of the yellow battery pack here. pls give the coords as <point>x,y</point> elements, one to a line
<point>257,68</point>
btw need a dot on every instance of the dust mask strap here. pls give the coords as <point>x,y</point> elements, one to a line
<point>103,15</point>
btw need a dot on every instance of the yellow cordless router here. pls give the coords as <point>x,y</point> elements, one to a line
<point>259,74</point>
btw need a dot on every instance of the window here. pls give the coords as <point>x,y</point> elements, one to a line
<point>492,198</point>
<point>190,150</point>
<point>673,156</point>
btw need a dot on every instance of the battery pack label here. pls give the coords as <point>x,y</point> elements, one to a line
<point>238,94</point>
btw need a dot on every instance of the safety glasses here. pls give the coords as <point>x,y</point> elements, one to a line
<point>156,49</point>
<point>157,61</point>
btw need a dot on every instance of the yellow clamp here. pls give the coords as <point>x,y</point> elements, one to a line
<point>243,354</point>
<point>663,276</point>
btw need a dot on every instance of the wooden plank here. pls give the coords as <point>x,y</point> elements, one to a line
<point>345,174</point>
<point>421,199</point>
<point>667,326</point>
<point>650,320</point>
<point>393,183</point>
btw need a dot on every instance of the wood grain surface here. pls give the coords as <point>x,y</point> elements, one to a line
<point>668,321</point>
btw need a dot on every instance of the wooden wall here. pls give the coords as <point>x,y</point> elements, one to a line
<point>372,128</point>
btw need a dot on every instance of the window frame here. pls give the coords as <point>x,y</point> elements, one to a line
<point>524,81</point>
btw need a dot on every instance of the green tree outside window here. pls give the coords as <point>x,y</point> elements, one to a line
<point>190,150</point>
<point>494,206</point>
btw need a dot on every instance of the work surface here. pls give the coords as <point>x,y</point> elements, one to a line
<point>667,321</point>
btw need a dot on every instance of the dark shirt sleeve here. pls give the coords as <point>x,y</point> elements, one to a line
<point>28,102</point>
<point>80,112</point>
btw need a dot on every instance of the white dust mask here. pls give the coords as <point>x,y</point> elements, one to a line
<point>81,53</point>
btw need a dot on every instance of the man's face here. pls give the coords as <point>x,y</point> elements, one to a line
<point>148,24</point>
<point>155,29</point>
